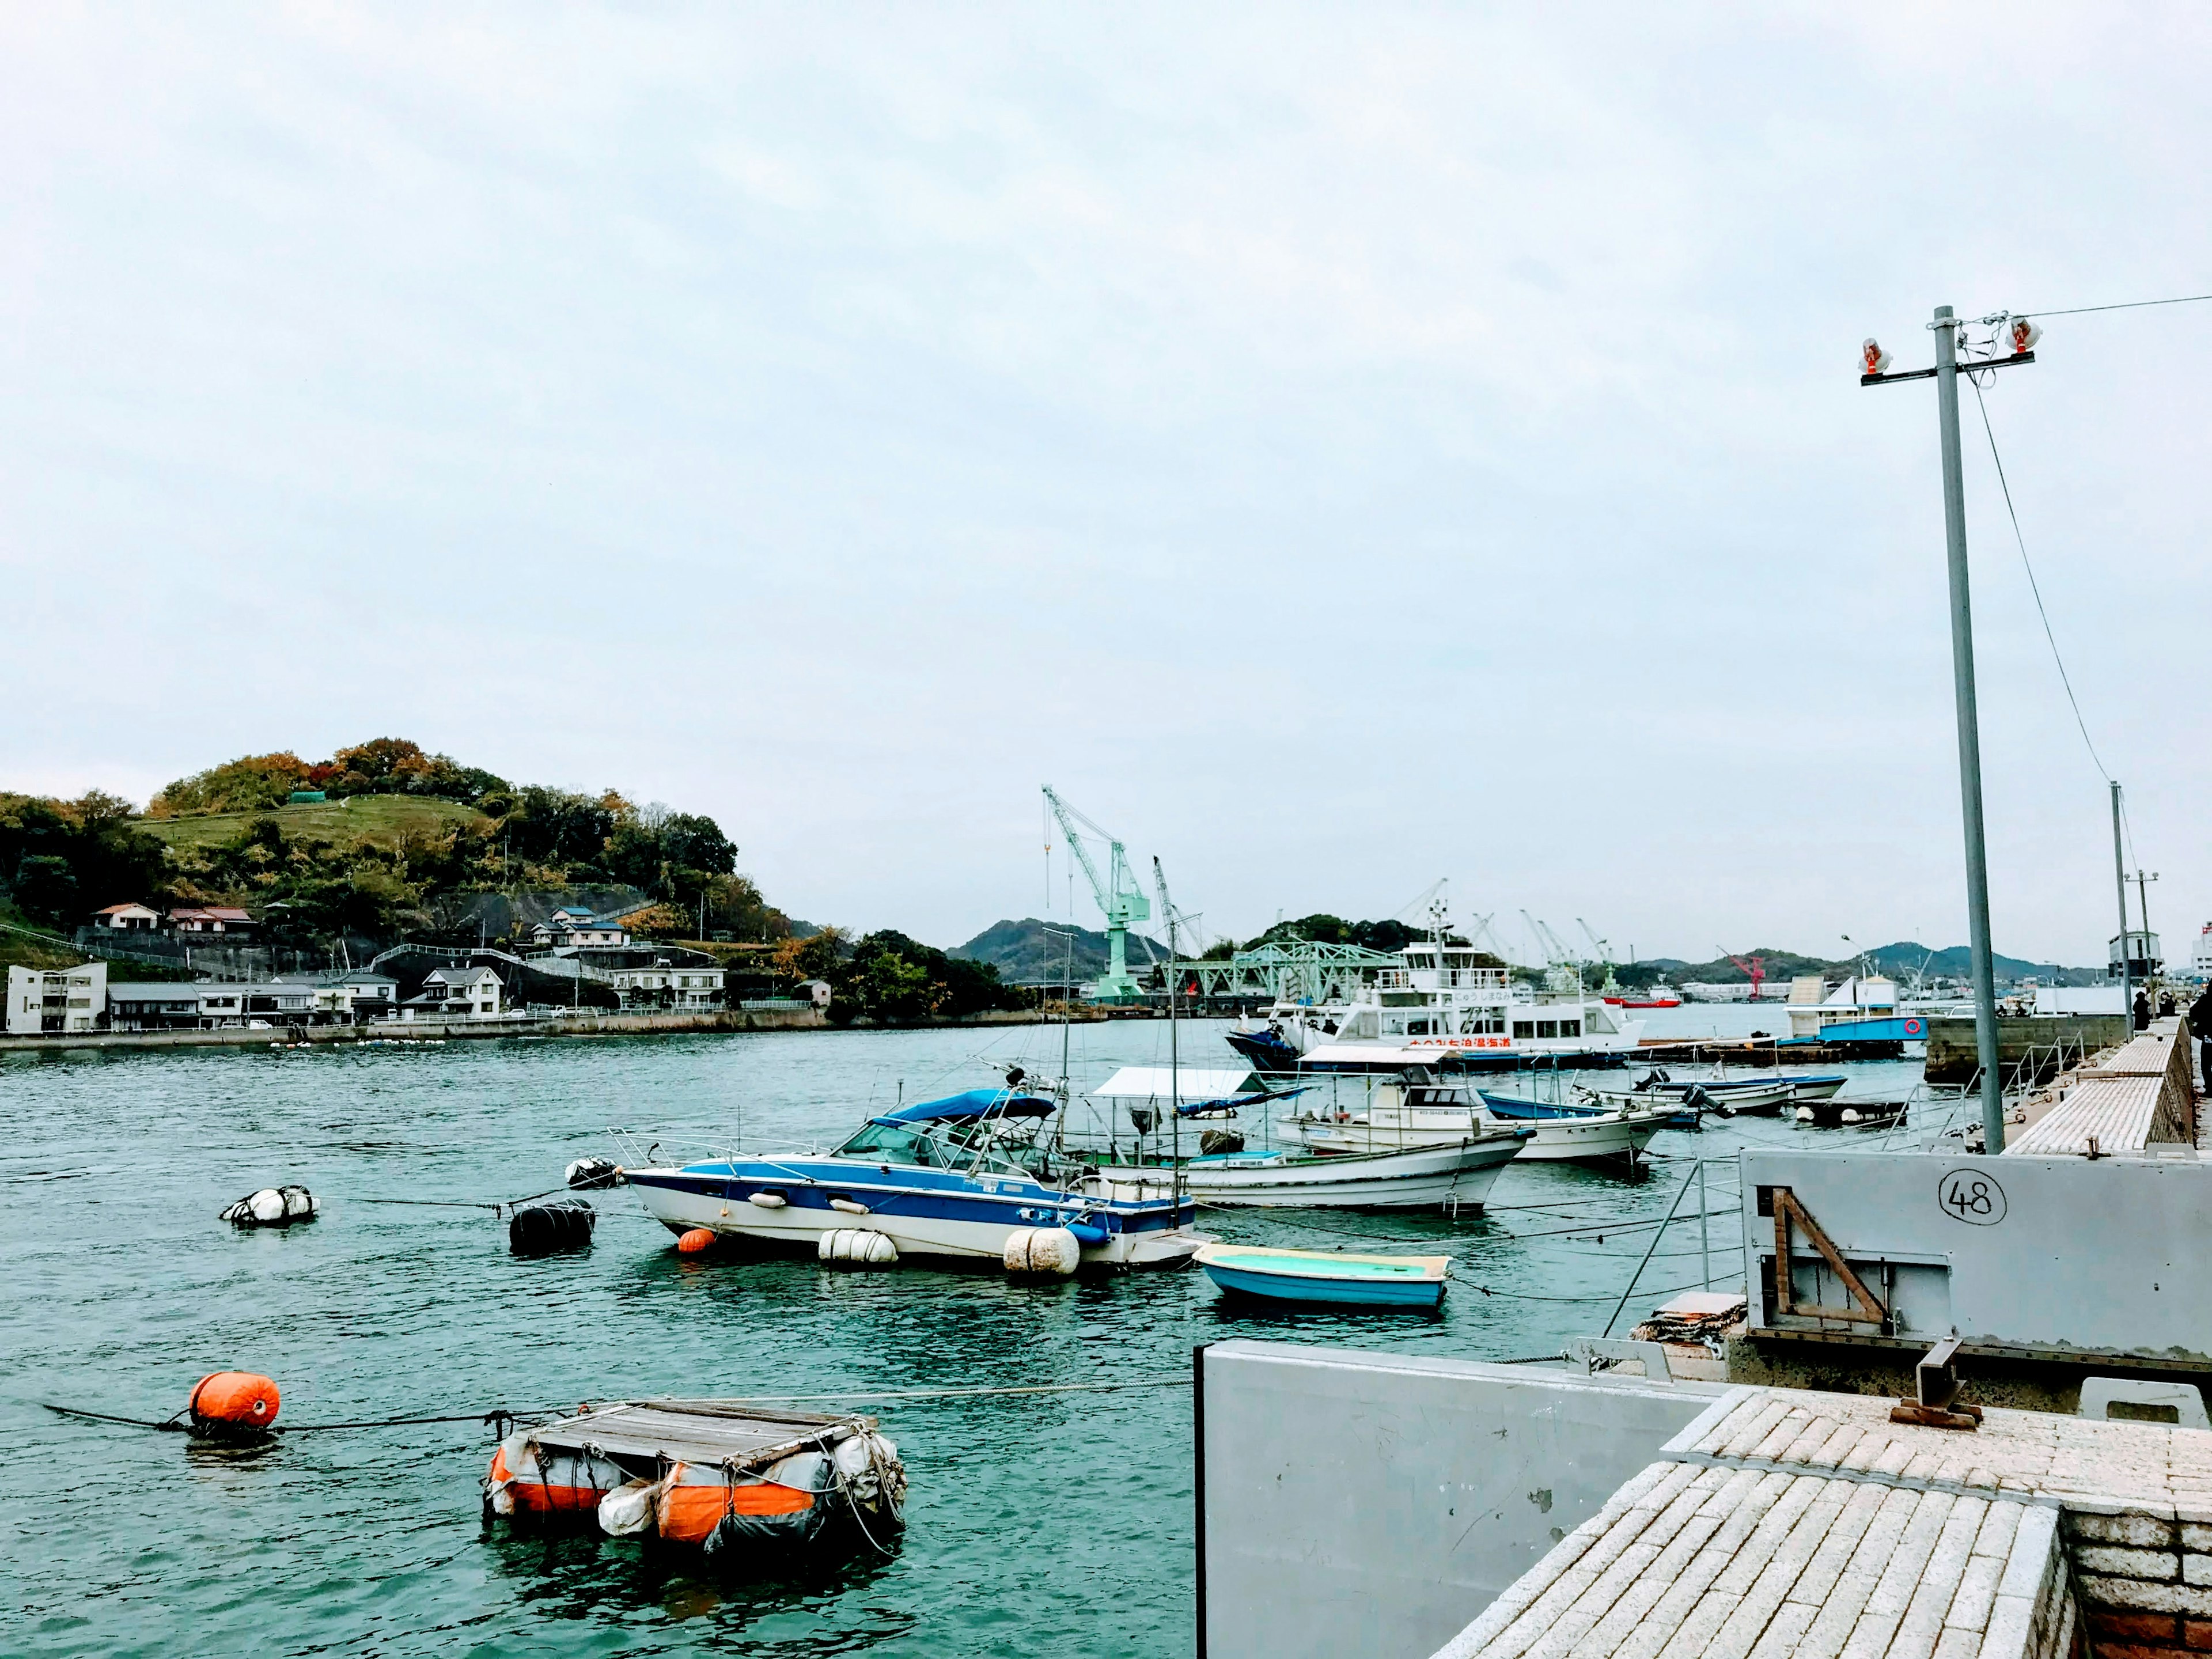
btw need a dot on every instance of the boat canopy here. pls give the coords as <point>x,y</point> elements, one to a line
<point>1182,1083</point>
<point>970,1103</point>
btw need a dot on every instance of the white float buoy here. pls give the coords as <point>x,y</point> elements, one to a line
<point>856,1247</point>
<point>272,1206</point>
<point>768,1201</point>
<point>1053,1250</point>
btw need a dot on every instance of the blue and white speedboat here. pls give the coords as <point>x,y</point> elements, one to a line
<point>953,1177</point>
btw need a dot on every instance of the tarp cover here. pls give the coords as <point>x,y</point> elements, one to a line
<point>1189,1083</point>
<point>970,1103</point>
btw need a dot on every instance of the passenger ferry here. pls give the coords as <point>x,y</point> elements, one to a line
<point>1451,1001</point>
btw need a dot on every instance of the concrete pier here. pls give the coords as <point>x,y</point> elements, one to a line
<point>1812,1525</point>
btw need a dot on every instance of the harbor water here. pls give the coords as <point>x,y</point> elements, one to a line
<point>1054,1523</point>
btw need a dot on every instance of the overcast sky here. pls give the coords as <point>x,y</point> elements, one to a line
<point>1336,447</point>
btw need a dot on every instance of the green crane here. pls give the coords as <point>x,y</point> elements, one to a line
<point>1118,897</point>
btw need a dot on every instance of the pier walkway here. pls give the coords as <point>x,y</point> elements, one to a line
<point>1784,1522</point>
<point>2137,1101</point>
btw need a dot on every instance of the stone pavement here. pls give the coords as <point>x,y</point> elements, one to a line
<point>1784,1522</point>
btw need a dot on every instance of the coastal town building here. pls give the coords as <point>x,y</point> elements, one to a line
<point>136,1006</point>
<point>224,919</point>
<point>569,930</point>
<point>127,918</point>
<point>58,999</point>
<point>457,993</point>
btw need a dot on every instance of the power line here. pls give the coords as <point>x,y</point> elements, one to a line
<point>2065,679</point>
<point>2124,305</point>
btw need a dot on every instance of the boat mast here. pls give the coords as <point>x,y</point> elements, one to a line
<point>1175,1077</point>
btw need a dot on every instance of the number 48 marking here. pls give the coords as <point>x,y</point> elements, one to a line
<point>1971,1197</point>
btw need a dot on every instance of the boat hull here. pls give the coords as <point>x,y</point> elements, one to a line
<point>1315,1291</point>
<point>1457,1177</point>
<point>937,1220</point>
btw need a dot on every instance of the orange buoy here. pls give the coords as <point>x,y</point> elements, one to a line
<point>227,1402</point>
<point>698,1239</point>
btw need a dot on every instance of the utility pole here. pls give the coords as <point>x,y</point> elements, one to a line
<point>2023,335</point>
<point>2120,880</point>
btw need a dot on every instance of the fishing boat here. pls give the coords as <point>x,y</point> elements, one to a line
<point>1330,1276</point>
<point>954,1177</point>
<point>1572,1132</point>
<point>1416,1110</point>
<point>1731,1097</point>
<point>1455,1176</point>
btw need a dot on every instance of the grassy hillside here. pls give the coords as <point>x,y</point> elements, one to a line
<point>381,820</point>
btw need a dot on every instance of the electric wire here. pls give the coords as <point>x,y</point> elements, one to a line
<point>2064,678</point>
<point>2124,305</point>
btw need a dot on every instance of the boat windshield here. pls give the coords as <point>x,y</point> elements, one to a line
<point>894,1143</point>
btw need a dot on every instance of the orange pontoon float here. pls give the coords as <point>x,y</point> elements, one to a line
<point>719,1474</point>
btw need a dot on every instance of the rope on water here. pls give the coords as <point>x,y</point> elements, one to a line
<point>465,1204</point>
<point>178,1423</point>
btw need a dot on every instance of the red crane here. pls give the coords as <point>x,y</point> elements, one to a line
<point>1755,967</point>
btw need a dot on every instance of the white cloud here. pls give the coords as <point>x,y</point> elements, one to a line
<point>1338,448</point>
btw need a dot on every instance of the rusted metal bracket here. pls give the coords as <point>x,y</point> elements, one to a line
<point>1787,1210</point>
<point>1936,1381</point>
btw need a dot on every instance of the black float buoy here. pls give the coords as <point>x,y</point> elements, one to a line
<point>565,1224</point>
<point>587,1173</point>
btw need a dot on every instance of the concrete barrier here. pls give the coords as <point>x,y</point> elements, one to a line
<point>1373,1504</point>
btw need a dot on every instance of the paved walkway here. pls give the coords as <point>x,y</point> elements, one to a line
<point>1809,1525</point>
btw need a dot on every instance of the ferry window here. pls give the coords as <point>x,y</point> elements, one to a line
<point>1523,1028</point>
<point>1571,1028</point>
<point>1547,1028</point>
<point>1417,1027</point>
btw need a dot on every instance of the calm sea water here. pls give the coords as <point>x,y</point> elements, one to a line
<point>1054,1524</point>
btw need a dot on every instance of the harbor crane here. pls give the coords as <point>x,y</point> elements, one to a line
<point>1755,967</point>
<point>1556,954</point>
<point>1119,898</point>
<point>1604,957</point>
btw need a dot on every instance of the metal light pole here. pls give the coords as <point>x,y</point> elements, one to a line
<point>2120,880</point>
<point>1970,740</point>
<point>1946,376</point>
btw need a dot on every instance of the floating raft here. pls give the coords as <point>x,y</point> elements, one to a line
<point>717,1473</point>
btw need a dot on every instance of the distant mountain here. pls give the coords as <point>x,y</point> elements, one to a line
<point>1902,961</point>
<point>1024,953</point>
<point>1957,962</point>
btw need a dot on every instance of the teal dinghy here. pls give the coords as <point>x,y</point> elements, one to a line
<point>1387,1281</point>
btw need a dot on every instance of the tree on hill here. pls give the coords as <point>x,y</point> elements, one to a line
<point>894,979</point>
<point>59,858</point>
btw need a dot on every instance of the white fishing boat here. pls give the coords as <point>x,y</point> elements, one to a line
<point>1578,1134</point>
<point>1456,1176</point>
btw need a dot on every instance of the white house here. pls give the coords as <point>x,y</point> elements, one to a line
<point>60,999</point>
<point>685,987</point>
<point>358,996</point>
<point>226,919</point>
<point>127,918</point>
<point>456,994</point>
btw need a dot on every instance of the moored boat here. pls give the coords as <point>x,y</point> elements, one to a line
<point>1567,1134</point>
<point>1327,1276</point>
<point>955,1177</point>
<point>1455,1176</point>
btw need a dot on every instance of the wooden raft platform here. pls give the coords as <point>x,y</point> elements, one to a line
<point>1783,1522</point>
<point>642,1434</point>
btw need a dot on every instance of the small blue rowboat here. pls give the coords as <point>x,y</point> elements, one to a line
<point>1381,1281</point>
